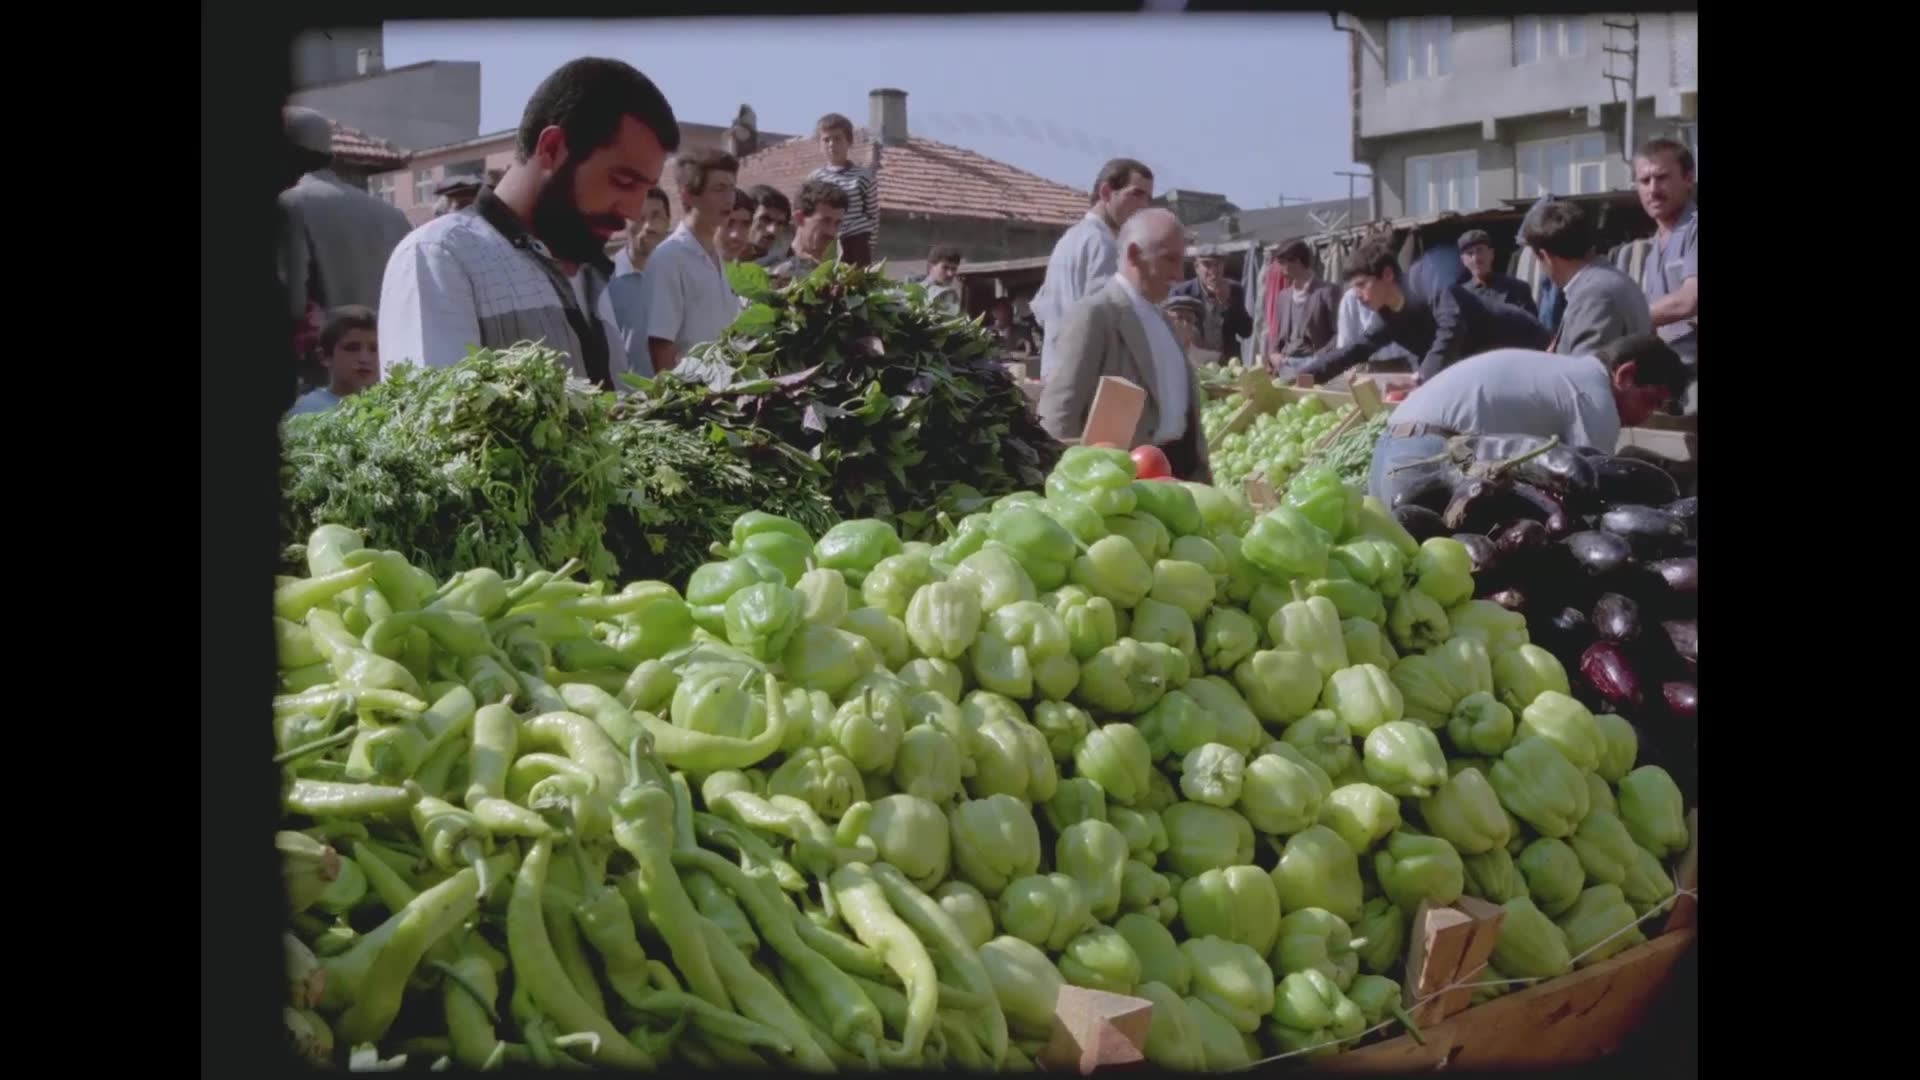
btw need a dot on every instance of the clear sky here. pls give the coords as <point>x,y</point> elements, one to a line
<point>1252,107</point>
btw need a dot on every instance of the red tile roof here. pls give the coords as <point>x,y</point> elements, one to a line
<point>364,150</point>
<point>930,178</point>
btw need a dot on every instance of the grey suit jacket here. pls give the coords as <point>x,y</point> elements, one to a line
<point>1102,335</point>
<point>336,242</point>
<point>1602,305</point>
<point>1320,314</point>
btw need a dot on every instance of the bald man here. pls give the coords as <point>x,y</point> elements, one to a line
<point>1119,329</point>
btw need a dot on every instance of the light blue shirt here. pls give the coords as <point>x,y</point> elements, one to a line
<point>628,295</point>
<point>314,401</point>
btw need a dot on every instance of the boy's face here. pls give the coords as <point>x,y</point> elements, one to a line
<point>354,363</point>
<point>943,273</point>
<point>1478,260</point>
<point>1380,292</point>
<point>836,143</point>
<point>732,237</point>
<point>715,201</point>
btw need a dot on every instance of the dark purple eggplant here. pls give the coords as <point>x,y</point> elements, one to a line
<point>1423,523</point>
<point>1430,488</point>
<point>1592,453</point>
<point>1682,575</point>
<point>1485,557</point>
<point>1600,554</point>
<point>1683,700</point>
<point>1684,635</point>
<point>1564,471</point>
<point>1616,618</point>
<point>1480,504</point>
<point>1651,532</point>
<point>1625,480</point>
<point>1520,539</point>
<point>1612,676</point>
<point>1565,633</point>
<point>1667,589</point>
<point>1688,511</point>
<point>1510,598</point>
<point>1551,507</point>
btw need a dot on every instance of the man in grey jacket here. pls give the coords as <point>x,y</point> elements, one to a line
<point>1120,330</point>
<point>337,238</point>
<point>1603,305</point>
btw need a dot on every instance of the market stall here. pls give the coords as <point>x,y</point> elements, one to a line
<point>975,752</point>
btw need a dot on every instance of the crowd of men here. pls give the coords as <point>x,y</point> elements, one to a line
<point>525,257</point>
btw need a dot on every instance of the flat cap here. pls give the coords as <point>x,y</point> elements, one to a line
<point>1473,238</point>
<point>307,129</point>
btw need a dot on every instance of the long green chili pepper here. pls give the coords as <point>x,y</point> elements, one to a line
<point>888,999</point>
<point>353,665</point>
<point>496,739</point>
<point>350,698</point>
<point>563,933</point>
<point>529,769</point>
<point>581,740</point>
<point>607,923</point>
<point>481,591</point>
<point>387,752</point>
<point>489,679</point>
<point>963,1049</point>
<point>338,738</point>
<point>295,599</point>
<point>955,959</point>
<point>373,974</point>
<point>327,799</point>
<point>708,897</point>
<point>541,696</point>
<point>643,827</point>
<point>863,905</point>
<point>851,1019</point>
<point>538,969</point>
<point>660,1044</point>
<point>586,654</point>
<point>454,838</point>
<point>393,575</point>
<point>848,955</point>
<point>700,752</point>
<point>387,882</point>
<point>461,633</point>
<point>610,680</point>
<point>604,709</point>
<point>302,679</point>
<point>503,818</point>
<point>753,851</point>
<point>468,996</point>
<point>757,998</point>
<point>293,646</point>
<point>715,1023</point>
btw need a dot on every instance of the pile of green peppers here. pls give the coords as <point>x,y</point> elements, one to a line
<point>845,802</point>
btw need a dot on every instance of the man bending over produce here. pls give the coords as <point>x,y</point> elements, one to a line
<point>1585,400</point>
<point>1119,330</point>
<point>1443,328</point>
<point>594,137</point>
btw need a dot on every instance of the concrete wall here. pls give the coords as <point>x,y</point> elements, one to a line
<point>905,238</point>
<point>321,56</point>
<point>417,106</point>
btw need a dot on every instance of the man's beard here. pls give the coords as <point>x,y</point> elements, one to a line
<point>561,226</point>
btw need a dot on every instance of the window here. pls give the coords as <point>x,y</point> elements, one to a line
<point>1419,48</point>
<point>475,168</point>
<point>1690,134</point>
<point>1573,166</point>
<point>1548,37</point>
<point>423,185</point>
<point>1440,182</point>
<point>381,187</point>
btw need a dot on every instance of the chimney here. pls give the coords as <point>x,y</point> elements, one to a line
<point>887,116</point>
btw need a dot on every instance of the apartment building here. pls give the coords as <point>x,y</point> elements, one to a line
<point>1458,113</point>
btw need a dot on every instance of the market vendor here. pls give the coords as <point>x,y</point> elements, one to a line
<point>1585,400</point>
<point>1442,327</point>
<point>1120,330</point>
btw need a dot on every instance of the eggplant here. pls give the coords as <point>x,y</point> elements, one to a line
<point>1592,453</point>
<point>1683,700</point>
<point>1520,539</point>
<point>1600,554</point>
<point>1626,480</point>
<point>1510,598</point>
<point>1551,507</point>
<point>1667,589</point>
<point>1607,670</point>
<point>1480,504</point>
<point>1421,522</point>
<point>1486,557</point>
<point>1565,633</point>
<point>1431,489</point>
<point>1651,532</point>
<point>1563,471</point>
<point>1617,619</point>
<point>1684,635</point>
<point>1682,575</point>
<point>1688,511</point>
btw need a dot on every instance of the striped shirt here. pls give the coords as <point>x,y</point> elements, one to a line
<point>863,196</point>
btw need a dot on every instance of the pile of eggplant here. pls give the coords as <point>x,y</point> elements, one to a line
<point>1597,551</point>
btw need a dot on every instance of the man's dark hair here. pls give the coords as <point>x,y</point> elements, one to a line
<point>659,196</point>
<point>1297,251</point>
<point>766,196</point>
<point>1664,145</point>
<point>1654,362</point>
<point>342,319</point>
<point>943,253</point>
<point>1117,174</point>
<point>586,99</point>
<point>1373,258</point>
<point>817,193</point>
<point>833,121</point>
<point>691,169</point>
<point>743,201</point>
<point>1562,229</point>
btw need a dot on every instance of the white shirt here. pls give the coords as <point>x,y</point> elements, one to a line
<point>1169,366</point>
<point>689,301</point>
<point>1520,392</point>
<point>1086,256</point>
<point>623,261</point>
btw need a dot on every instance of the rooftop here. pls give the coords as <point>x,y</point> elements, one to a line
<point>356,147</point>
<point>929,178</point>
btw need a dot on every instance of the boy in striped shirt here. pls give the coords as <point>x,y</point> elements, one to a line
<point>835,133</point>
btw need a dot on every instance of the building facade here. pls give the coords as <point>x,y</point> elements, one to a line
<point>432,103</point>
<point>1457,113</point>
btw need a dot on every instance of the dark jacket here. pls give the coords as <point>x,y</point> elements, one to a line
<point>1456,324</point>
<point>1235,325</point>
<point>1507,290</point>
<point>1320,313</point>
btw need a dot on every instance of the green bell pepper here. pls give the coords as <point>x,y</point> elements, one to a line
<point>1145,892</point>
<point>1426,692</point>
<point>1112,568</point>
<point>1492,876</point>
<point>790,553</point>
<point>1541,787</point>
<point>1604,847</point>
<point>1150,539</point>
<point>755,522</point>
<point>1404,759</point>
<point>1522,674</point>
<point>943,619</point>
<point>1076,517</point>
<point>1566,724</point>
<point>1600,795</point>
<point>1374,519</point>
<point>1324,739</point>
<point>1266,600</point>
<point>712,584</point>
<point>1310,1011</point>
<point>1126,678</point>
<point>996,576</point>
<point>761,619</point>
<point>1204,553</point>
<point>1318,871</point>
<point>1161,960</point>
<point>1100,959</point>
<point>1044,910</point>
<point>1466,813</point>
<point>894,580</point>
<point>1480,725</point>
<point>1094,854</point>
<point>855,547</point>
<point>1220,509</point>
<point>1314,939</point>
<point>1242,577</point>
<point>1042,546</point>
<point>1234,722</point>
<point>929,764</point>
<point>1064,725</point>
<point>886,634</point>
<point>1023,650</point>
<point>1280,685</point>
<point>1284,544</point>
<point>1237,903</point>
<point>1232,979</point>
<point>1097,477</point>
<point>1595,923</point>
<point>1553,874</point>
<point>1076,800</point>
<point>935,675</point>
<point>1413,867</point>
<point>1351,599</point>
<point>822,778</point>
<point>1311,625</point>
<point>1367,644</point>
<point>1375,563</point>
<point>823,597</point>
<point>968,537</point>
<point>1202,837</point>
<point>1283,791</point>
<point>995,842</point>
<point>1171,504</point>
<point>1176,726</point>
<point>1011,757</point>
<point>1363,697</point>
<point>1091,621</point>
<point>827,659</point>
<point>1654,811</point>
<point>1619,746</point>
<point>1378,999</point>
<point>1530,946</point>
<point>1444,571</point>
<point>969,911</point>
<point>1321,498</point>
<point>1173,1035</point>
<point>1229,636</point>
<point>911,833</point>
<point>1146,834</point>
<point>1212,773</point>
<point>1383,928</point>
<point>1360,814</point>
<point>1115,757</point>
<point>1417,622</point>
<point>1185,586</point>
<point>1646,883</point>
<point>1025,982</point>
<point>868,729</point>
<point>1490,624</point>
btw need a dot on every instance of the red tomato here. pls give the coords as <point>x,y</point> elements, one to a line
<point>1150,464</point>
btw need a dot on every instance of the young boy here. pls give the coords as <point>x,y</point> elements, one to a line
<point>863,191</point>
<point>350,353</point>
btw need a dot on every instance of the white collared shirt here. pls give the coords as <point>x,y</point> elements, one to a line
<point>1085,257</point>
<point>689,301</point>
<point>1169,366</point>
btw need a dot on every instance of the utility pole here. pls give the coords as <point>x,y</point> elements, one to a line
<point>1629,33</point>
<point>1353,218</point>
